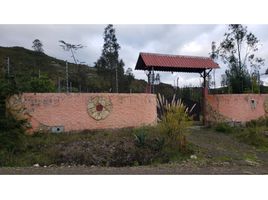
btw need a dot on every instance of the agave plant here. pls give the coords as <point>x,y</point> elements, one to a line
<point>163,105</point>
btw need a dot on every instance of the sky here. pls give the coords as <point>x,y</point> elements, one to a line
<point>192,40</point>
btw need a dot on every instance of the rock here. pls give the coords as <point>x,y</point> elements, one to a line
<point>226,163</point>
<point>193,157</point>
<point>251,162</point>
<point>265,133</point>
<point>45,166</point>
<point>36,165</point>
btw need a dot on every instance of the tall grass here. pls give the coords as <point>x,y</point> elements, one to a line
<point>174,120</point>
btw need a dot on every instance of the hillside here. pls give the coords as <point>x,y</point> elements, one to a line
<point>26,64</point>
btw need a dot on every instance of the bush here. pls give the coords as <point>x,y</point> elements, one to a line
<point>11,133</point>
<point>253,136</point>
<point>262,121</point>
<point>140,138</point>
<point>11,130</point>
<point>175,121</point>
<point>223,127</point>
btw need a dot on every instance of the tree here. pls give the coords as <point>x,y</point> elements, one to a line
<point>237,51</point>
<point>38,46</point>
<point>42,84</point>
<point>129,72</point>
<point>109,65</point>
<point>71,47</point>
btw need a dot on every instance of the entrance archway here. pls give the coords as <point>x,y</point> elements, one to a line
<point>177,63</point>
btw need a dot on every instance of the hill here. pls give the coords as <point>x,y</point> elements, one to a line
<point>26,64</point>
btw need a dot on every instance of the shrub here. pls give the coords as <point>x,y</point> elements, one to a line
<point>11,130</point>
<point>253,136</point>
<point>175,121</point>
<point>223,127</point>
<point>262,121</point>
<point>140,138</point>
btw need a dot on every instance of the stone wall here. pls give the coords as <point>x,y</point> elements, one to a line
<point>80,111</point>
<point>236,107</point>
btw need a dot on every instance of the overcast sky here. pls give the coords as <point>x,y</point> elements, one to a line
<point>194,40</point>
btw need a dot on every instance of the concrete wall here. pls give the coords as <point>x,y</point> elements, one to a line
<point>236,107</point>
<point>75,111</point>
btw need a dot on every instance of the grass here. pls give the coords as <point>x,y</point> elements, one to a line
<point>252,133</point>
<point>223,128</point>
<point>251,157</point>
<point>224,159</point>
<point>101,148</point>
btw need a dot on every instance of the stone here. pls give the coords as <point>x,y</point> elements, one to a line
<point>252,163</point>
<point>36,165</point>
<point>193,157</point>
<point>265,133</point>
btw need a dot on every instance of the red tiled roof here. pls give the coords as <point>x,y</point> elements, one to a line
<point>178,63</point>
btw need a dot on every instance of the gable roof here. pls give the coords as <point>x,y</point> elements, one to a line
<point>174,63</point>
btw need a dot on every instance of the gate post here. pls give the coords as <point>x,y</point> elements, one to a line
<point>205,93</point>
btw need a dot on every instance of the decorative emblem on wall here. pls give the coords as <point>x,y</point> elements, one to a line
<point>99,107</point>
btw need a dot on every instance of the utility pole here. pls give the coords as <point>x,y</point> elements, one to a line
<point>67,78</point>
<point>39,74</point>
<point>59,89</point>
<point>153,79</point>
<point>116,79</point>
<point>8,70</point>
<point>213,56</point>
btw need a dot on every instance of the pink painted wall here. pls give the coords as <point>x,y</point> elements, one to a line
<point>70,110</point>
<point>238,107</point>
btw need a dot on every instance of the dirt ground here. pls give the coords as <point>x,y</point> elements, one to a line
<point>218,154</point>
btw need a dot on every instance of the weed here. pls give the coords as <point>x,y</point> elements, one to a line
<point>223,128</point>
<point>253,136</point>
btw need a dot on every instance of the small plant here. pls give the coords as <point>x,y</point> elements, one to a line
<point>253,136</point>
<point>140,138</point>
<point>223,128</point>
<point>157,144</point>
<point>262,121</point>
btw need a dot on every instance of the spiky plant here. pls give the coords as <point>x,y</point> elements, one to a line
<point>174,119</point>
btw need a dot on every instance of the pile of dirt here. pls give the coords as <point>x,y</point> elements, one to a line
<point>122,151</point>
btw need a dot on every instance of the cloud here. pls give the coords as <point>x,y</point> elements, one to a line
<point>189,39</point>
